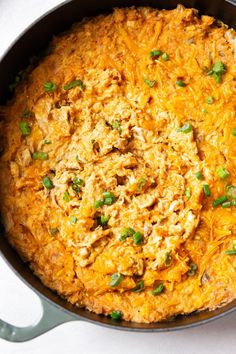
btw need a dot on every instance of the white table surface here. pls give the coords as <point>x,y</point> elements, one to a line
<point>20,306</point>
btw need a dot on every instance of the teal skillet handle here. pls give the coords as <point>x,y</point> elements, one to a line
<point>51,318</point>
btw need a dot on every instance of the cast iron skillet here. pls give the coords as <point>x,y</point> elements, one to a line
<point>34,39</point>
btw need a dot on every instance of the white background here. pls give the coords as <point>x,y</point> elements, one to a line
<point>20,306</point>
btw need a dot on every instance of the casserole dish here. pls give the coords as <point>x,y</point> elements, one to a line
<point>8,65</point>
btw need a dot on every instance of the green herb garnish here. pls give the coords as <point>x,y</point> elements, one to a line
<point>40,155</point>
<point>54,231</point>
<point>137,238</point>
<point>185,128</point>
<point>116,315</point>
<point>168,259</point>
<point>98,203</point>
<point>25,128</point>
<point>126,232</point>
<point>47,182</point>
<point>193,269</point>
<point>116,125</point>
<point>165,57</point>
<point>74,84</point>
<point>233,202</point>
<point>158,290</point>
<point>210,100</point>
<point>138,287</point>
<point>217,70</point>
<point>103,220</point>
<point>150,83</point>
<point>219,201</point>
<point>47,142</point>
<point>77,183</point>
<point>231,191</point>
<point>108,198</point>
<point>188,193</point>
<point>155,53</point>
<point>141,183</point>
<point>227,204</point>
<point>230,252</point>
<point>66,196</point>
<point>50,87</point>
<point>73,220</point>
<point>180,83</point>
<point>222,172</point>
<point>206,190</point>
<point>233,131</point>
<point>199,175</point>
<point>116,279</point>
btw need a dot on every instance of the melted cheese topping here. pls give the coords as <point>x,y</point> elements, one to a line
<point>119,133</point>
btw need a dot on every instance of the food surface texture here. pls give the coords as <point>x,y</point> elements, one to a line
<point>118,164</point>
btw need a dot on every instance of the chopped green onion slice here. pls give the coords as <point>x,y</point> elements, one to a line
<point>49,86</point>
<point>233,202</point>
<point>199,175</point>
<point>138,287</point>
<point>219,67</point>
<point>40,155</point>
<point>15,83</point>
<point>54,231</point>
<point>217,70</point>
<point>150,83</point>
<point>234,244</point>
<point>78,181</point>
<point>103,220</point>
<point>206,190</point>
<point>230,252</point>
<point>185,128</point>
<point>27,113</point>
<point>25,128</point>
<point>226,204</point>
<point>210,100</point>
<point>219,201</point>
<point>159,289</point>
<point>137,238</point>
<point>155,53</point>
<point>74,84</point>
<point>47,142</point>
<point>192,270</point>
<point>168,259</point>
<point>188,193</point>
<point>98,203</point>
<point>76,188</point>
<point>66,196</point>
<point>222,172</point>
<point>165,57</point>
<point>108,198</point>
<point>231,191</point>
<point>116,125</point>
<point>180,83</point>
<point>73,219</point>
<point>233,131</point>
<point>47,182</point>
<point>126,232</point>
<point>116,278</point>
<point>116,315</point>
<point>141,183</point>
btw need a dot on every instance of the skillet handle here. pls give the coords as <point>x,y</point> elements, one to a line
<point>51,318</point>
